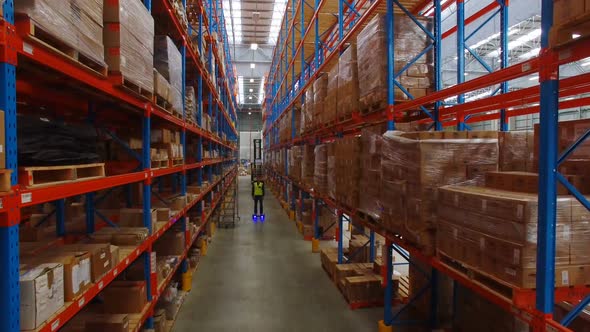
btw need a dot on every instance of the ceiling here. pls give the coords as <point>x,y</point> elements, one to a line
<point>252,28</point>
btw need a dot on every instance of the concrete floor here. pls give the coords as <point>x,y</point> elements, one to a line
<point>265,278</point>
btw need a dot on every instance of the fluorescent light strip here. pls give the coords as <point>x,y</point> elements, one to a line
<point>261,91</point>
<point>241,89</point>
<point>518,42</point>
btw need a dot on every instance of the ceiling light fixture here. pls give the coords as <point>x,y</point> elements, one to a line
<point>249,113</point>
<point>253,46</point>
<point>252,65</point>
<point>251,90</point>
<point>251,80</point>
<point>250,97</point>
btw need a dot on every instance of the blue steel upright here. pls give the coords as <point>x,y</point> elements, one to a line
<point>460,57</point>
<point>503,56</point>
<point>548,76</point>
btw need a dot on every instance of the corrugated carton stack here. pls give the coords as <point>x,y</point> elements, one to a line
<point>415,165</point>
<point>330,115</point>
<point>78,24</point>
<point>307,111</point>
<point>190,104</point>
<point>410,41</point>
<point>347,170</point>
<point>320,169</point>
<point>320,91</point>
<point>331,172</point>
<point>168,62</point>
<point>129,41</point>
<point>296,157</point>
<point>495,231</point>
<point>570,17</point>
<point>307,166</point>
<point>348,84</point>
<point>370,165</point>
<point>516,151</point>
<point>327,222</point>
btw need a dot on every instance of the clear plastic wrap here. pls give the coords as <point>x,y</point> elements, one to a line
<point>410,41</point>
<point>176,99</point>
<point>331,171</point>
<point>568,133</point>
<point>307,165</point>
<point>415,165</point>
<point>516,151</point>
<point>168,61</point>
<point>190,103</point>
<point>320,169</point>
<point>295,161</point>
<point>348,83</point>
<point>370,165</point>
<point>76,23</point>
<point>331,102</point>
<point>320,90</point>
<point>347,170</point>
<point>161,86</point>
<point>308,110</point>
<point>129,41</point>
<point>495,231</point>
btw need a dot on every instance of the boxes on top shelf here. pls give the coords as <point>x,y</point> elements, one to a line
<point>78,24</point>
<point>348,84</point>
<point>129,42</point>
<point>320,169</point>
<point>371,47</point>
<point>168,62</point>
<point>320,91</point>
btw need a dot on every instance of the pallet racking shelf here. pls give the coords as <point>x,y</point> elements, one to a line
<point>88,91</point>
<point>310,41</point>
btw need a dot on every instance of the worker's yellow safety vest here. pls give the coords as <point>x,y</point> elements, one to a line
<point>258,188</point>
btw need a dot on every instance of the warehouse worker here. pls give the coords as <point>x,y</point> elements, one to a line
<point>258,196</point>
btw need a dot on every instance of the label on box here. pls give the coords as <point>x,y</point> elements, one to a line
<point>55,325</point>
<point>565,278</point>
<point>76,279</point>
<point>516,256</point>
<point>85,271</point>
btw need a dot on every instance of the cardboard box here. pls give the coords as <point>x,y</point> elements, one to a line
<point>76,266</point>
<point>106,322</point>
<point>172,243</point>
<point>41,293</point>
<point>163,214</point>
<point>134,218</point>
<point>100,257</point>
<point>125,297</point>
<point>178,203</point>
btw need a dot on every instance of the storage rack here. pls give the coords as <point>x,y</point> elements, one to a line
<point>313,34</point>
<point>18,49</point>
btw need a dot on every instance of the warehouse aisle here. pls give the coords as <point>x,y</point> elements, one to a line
<point>265,278</point>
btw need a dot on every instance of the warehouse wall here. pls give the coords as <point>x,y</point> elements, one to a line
<point>247,144</point>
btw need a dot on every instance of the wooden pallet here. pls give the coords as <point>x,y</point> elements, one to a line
<point>163,103</point>
<point>39,36</point>
<point>32,177</point>
<point>163,163</point>
<point>574,30</point>
<point>122,82</point>
<point>176,162</point>
<point>362,215</point>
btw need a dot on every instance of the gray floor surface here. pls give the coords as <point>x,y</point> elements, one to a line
<point>265,278</point>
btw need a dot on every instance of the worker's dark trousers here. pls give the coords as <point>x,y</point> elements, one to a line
<point>257,200</point>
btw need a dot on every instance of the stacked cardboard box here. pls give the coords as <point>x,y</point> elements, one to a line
<point>371,46</point>
<point>370,165</point>
<point>191,104</point>
<point>415,165</point>
<point>330,114</point>
<point>347,170</point>
<point>569,17</point>
<point>327,222</point>
<point>40,299</point>
<point>516,151</point>
<point>166,145</point>
<point>78,24</point>
<point>348,84</point>
<point>329,259</point>
<point>331,171</point>
<point>308,110</point>
<point>320,91</point>
<point>296,157</point>
<point>307,166</point>
<point>320,169</point>
<point>568,132</point>
<point>129,41</point>
<point>495,232</point>
<point>360,253</point>
<point>124,297</point>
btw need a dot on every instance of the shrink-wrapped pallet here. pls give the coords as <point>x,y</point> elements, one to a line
<point>307,110</point>
<point>347,170</point>
<point>307,166</point>
<point>331,171</point>
<point>129,42</point>
<point>415,165</point>
<point>515,151</point>
<point>320,169</point>
<point>370,174</point>
<point>348,84</point>
<point>168,62</point>
<point>191,104</point>
<point>410,40</point>
<point>320,91</point>
<point>331,102</point>
<point>295,159</point>
<point>77,24</point>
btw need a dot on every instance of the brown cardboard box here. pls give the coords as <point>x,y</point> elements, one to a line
<point>134,217</point>
<point>170,244</point>
<point>529,182</point>
<point>106,322</point>
<point>178,203</point>
<point>125,297</point>
<point>76,266</point>
<point>100,257</point>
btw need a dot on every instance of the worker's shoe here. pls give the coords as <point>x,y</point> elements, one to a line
<point>254,218</point>
<point>261,218</point>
